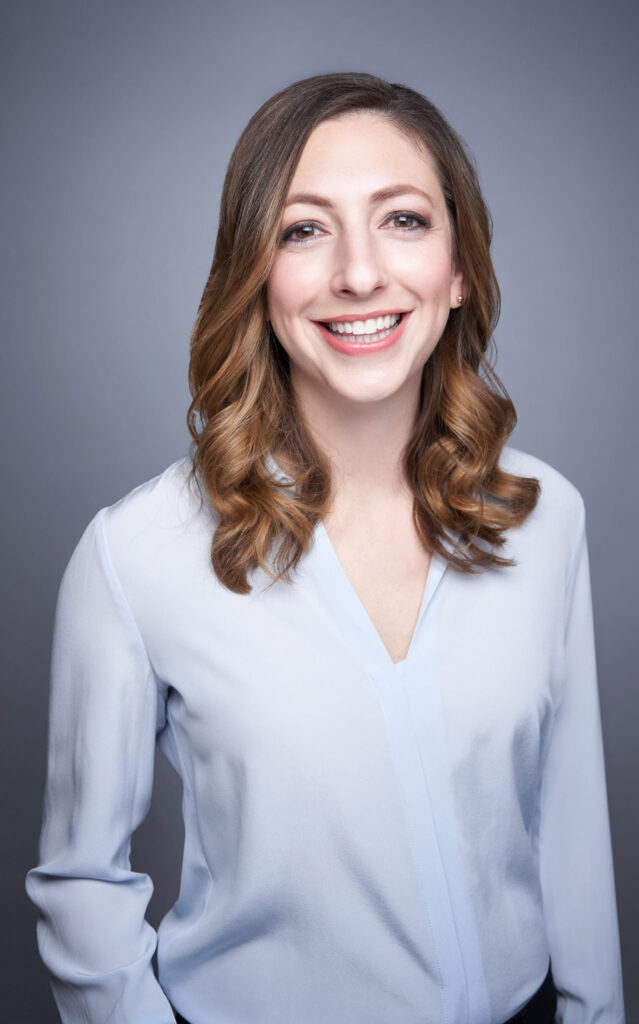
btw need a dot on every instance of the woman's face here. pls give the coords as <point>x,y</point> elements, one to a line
<point>363,279</point>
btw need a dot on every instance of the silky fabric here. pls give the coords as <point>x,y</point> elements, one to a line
<point>365,841</point>
<point>540,1009</point>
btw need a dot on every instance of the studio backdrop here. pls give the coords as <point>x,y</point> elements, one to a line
<point>119,119</point>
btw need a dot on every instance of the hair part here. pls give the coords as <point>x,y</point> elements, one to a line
<point>243,407</point>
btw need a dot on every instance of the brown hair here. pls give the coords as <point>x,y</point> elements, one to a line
<point>243,408</point>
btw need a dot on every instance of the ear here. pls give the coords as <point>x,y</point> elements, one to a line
<point>457,290</point>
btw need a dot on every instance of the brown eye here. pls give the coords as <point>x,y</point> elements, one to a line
<point>407,221</point>
<point>299,232</point>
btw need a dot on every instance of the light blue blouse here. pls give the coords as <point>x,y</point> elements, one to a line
<point>365,842</point>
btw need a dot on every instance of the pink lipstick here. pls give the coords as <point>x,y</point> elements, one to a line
<point>350,346</point>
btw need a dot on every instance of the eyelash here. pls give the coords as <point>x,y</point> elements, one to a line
<point>420,222</point>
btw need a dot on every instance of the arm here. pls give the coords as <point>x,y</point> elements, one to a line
<point>574,842</point>
<point>104,713</point>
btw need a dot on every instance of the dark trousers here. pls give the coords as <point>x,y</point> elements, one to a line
<point>540,1009</point>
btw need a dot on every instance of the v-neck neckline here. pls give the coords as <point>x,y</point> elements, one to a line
<point>347,608</point>
<point>344,603</point>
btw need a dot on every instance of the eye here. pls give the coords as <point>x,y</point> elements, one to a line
<point>300,232</point>
<point>406,220</point>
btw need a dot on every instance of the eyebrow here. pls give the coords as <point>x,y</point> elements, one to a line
<point>377,197</point>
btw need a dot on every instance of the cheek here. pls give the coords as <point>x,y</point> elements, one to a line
<point>290,286</point>
<point>275,292</point>
<point>428,274</point>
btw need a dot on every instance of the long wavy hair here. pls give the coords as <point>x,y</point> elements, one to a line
<point>243,408</point>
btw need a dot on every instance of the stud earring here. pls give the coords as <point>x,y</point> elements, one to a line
<point>460,299</point>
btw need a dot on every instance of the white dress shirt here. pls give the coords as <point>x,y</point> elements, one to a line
<point>365,842</point>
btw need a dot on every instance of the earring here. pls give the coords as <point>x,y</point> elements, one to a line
<point>460,299</point>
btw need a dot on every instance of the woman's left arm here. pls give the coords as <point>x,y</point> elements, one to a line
<point>575,851</point>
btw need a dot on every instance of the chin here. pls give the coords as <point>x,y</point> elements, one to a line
<point>364,395</point>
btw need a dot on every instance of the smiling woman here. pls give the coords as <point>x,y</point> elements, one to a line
<point>358,249</point>
<point>356,622</point>
<point>315,228</point>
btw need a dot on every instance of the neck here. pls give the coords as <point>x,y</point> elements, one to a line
<point>363,442</point>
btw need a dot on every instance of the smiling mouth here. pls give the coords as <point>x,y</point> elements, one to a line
<point>365,330</point>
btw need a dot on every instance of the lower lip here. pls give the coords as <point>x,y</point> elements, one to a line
<point>352,348</point>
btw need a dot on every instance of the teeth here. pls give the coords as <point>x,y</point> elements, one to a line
<point>365,330</point>
<point>363,338</point>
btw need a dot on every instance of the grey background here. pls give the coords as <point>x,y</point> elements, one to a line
<point>118,121</point>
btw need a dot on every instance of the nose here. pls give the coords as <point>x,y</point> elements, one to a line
<point>359,269</point>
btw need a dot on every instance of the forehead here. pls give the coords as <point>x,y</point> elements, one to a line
<point>362,148</point>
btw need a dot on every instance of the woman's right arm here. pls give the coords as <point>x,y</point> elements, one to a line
<point>105,711</point>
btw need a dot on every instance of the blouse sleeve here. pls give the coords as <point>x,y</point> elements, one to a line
<point>575,849</point>
<point>105,710</point>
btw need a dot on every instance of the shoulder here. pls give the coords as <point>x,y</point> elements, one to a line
<point>558,519</point>
<point>160,516</point>
<point>168,500</point>
<point>559,499</point>
<point>147,533</point>
<point>557,493</point>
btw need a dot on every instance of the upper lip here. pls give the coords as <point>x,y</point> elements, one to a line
<point>351,318</point>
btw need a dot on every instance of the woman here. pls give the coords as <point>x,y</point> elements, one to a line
<point>360,629</point>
